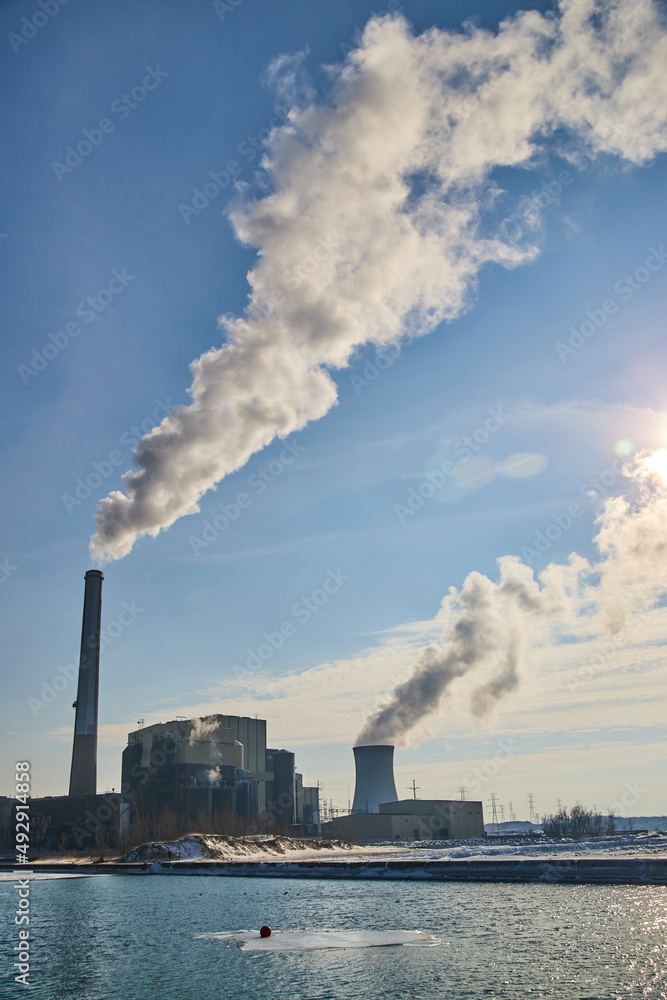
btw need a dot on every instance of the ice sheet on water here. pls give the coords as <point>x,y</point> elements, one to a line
<point>315,939</point>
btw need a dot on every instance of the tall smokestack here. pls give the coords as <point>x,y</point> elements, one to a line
<point>375,778</point>
<point>83,776</point>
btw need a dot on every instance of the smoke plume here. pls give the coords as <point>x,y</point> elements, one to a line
<point>378,220</point>
<point>488,625</point>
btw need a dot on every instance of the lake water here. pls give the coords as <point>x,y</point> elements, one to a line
<point>137,938</point>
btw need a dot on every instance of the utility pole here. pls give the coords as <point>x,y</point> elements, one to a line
<point>462,791</point>
<point>414,788</point>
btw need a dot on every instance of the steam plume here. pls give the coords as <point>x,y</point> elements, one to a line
<point>202,729</point>
<point>376,223</point>
<point>488,625</point>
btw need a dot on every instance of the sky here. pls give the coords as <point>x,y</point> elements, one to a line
<point>420,254</point>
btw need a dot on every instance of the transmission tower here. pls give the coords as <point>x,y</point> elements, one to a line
<point>462,791</point>
<point>512,815</point>
<point>531,807</point>
<point>494,810</point>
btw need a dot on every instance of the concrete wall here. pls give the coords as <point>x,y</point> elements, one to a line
<point>442,818</point>
<point>364,828</point>
<point>414,819</point>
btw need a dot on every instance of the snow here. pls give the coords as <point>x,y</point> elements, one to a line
<point>629,845</point>
<point>200,847</point>
<point>214,847</point>
<point>321,938</point>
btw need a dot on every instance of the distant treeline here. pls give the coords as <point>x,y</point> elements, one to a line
<point>579,822</point>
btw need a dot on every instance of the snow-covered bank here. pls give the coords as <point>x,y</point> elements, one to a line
<point>215,847</point>
<point>627,845</point>
<point>212,847</point>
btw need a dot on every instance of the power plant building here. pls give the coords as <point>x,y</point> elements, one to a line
<point>217,764</point>
<point>195,768</point>
<point>207,769</point>
<point>414,819</point>
<point>378,815</point>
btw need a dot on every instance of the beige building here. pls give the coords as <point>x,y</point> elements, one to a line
<point>414,819</point>
<point>216,743</point>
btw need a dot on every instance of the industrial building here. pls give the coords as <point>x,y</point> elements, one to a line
<point>217,772</point>
<point>378,814</point>
<point>208,769</point>
<point>413,819</point>
<point>217,766</point>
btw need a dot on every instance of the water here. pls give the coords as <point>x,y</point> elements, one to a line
<point>136,938</point>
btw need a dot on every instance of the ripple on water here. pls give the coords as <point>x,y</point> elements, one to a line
<point>124,938</point>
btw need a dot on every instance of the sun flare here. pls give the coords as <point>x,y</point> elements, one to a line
<point>657,463</point>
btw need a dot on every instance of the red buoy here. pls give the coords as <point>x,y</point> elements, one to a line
<point>265,931</point>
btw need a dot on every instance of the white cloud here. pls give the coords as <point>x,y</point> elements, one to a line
<point>373,227</point>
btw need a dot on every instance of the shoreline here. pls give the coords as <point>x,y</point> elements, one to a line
<point>589,870</point>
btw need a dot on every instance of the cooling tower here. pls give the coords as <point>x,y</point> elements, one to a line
<point>375,778</point>
<point>83,776</point>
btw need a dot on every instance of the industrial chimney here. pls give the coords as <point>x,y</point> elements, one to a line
<point>83,776</point>
<point>375,778</point>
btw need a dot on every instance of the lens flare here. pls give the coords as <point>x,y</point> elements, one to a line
<point>624,447</point>
<point>657,463</point>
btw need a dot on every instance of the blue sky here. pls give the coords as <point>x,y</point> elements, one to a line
<point>334,504</point>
